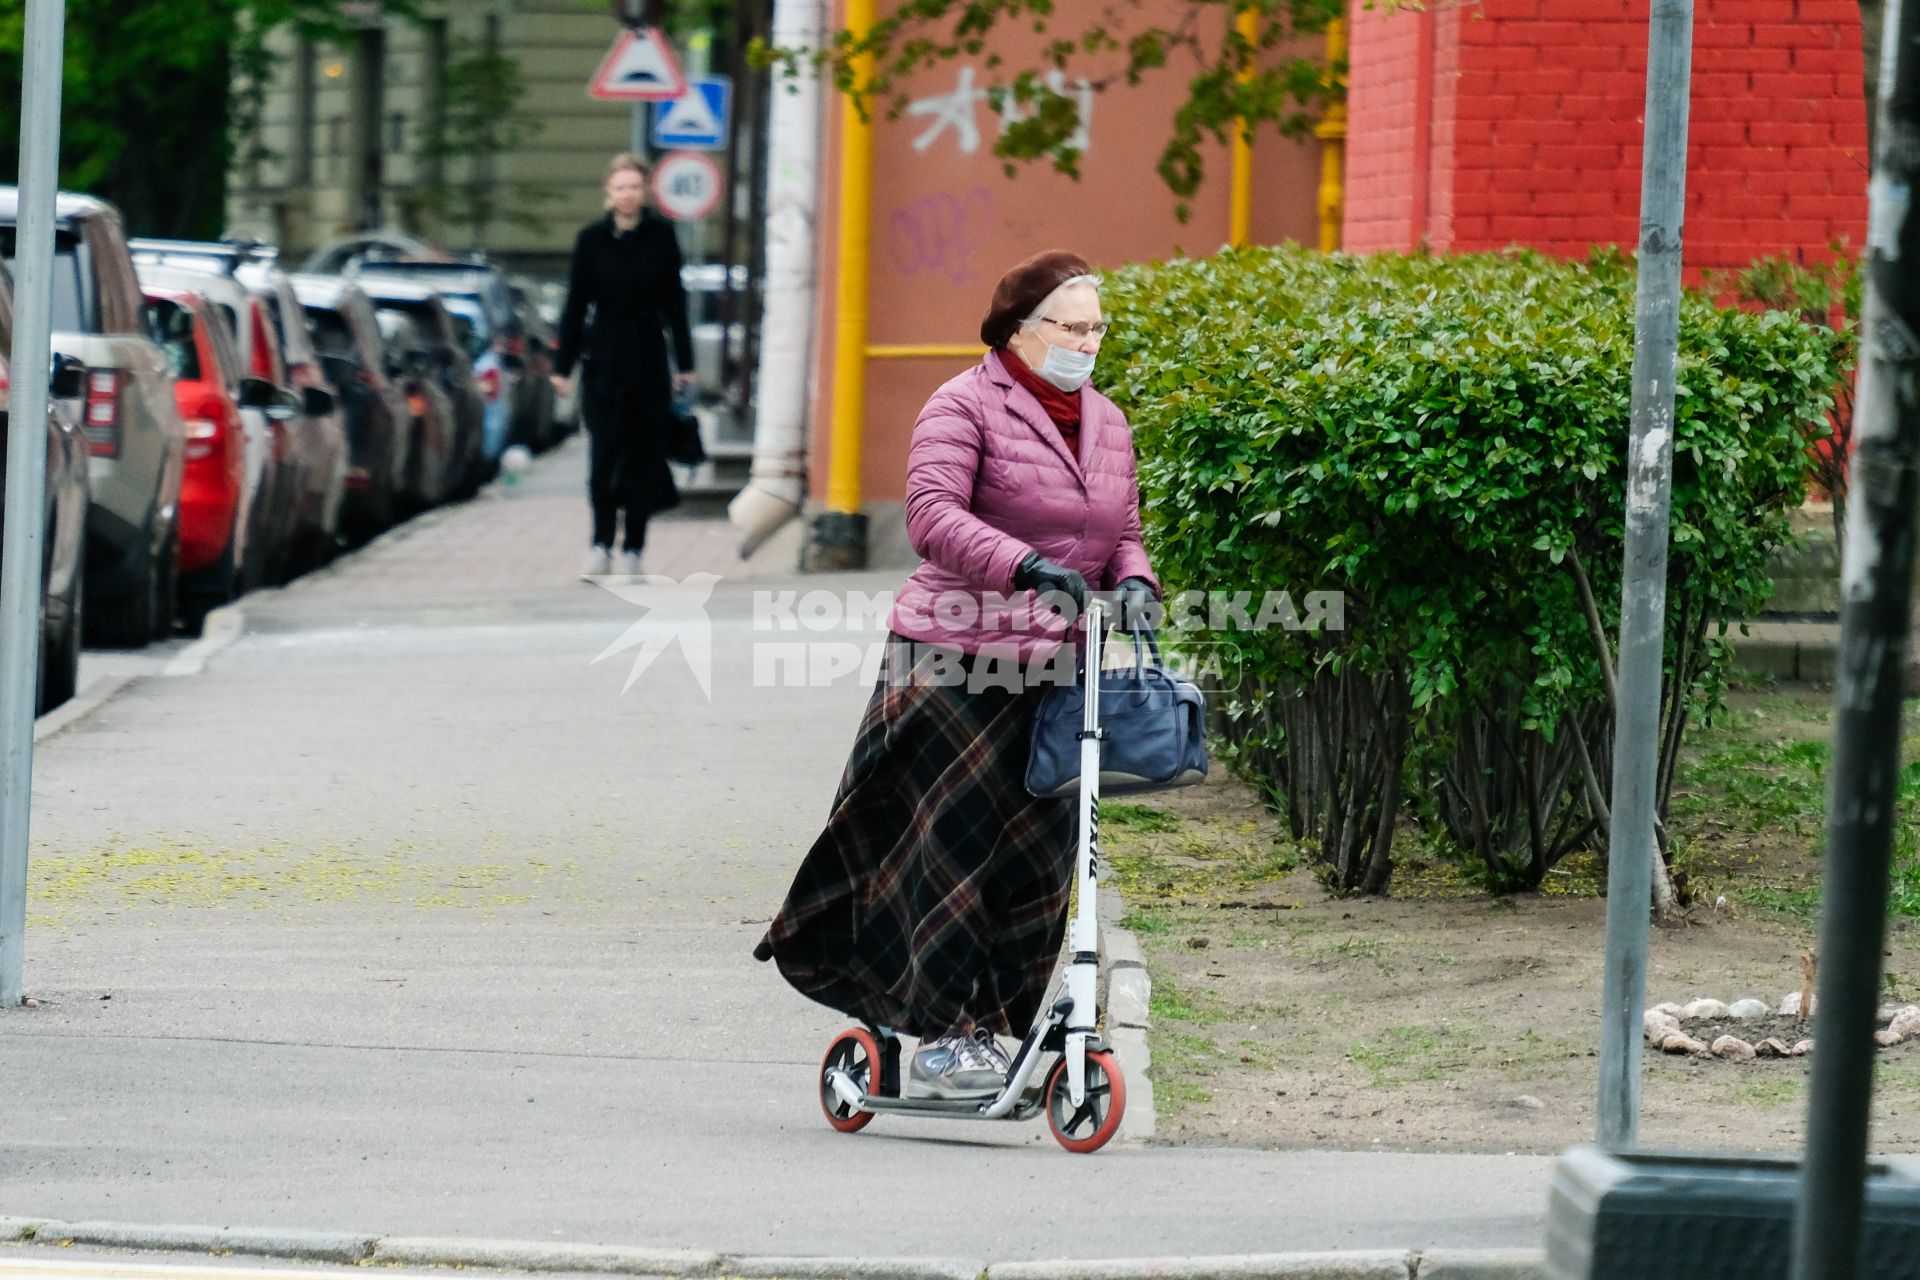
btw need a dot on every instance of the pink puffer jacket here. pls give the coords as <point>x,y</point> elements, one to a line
<point>990,479</point>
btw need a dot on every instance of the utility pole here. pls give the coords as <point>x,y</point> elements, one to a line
<point>1632,850</point>
<point>1876,618</point>
<point>31,367</point>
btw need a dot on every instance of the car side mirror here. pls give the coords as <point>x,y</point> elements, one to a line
<point>317,402</point>
<point>258,393</point>
<point>69,380</point>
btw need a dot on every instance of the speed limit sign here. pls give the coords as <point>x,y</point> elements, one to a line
<point>687,185</point>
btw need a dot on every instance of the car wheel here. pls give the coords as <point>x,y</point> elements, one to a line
<point>60,661</point>
<point>129,621</point>
<point>167,586</point>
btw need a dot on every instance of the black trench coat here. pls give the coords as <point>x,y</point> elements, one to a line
<point>624,295</point>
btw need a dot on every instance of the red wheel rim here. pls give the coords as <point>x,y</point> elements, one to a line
<point>857,1053</point>
<point>1093,1125</point>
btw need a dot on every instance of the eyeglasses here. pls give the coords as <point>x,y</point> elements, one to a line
<point>1082,331</point>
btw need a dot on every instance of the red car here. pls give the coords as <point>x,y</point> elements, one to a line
<point>215,496</point>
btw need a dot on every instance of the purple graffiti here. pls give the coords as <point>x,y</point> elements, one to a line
<point>940,233</point>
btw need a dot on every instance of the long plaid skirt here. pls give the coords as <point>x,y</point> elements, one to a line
<point>936,897</point>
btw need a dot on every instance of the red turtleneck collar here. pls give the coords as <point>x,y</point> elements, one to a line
<point>1063,407</point>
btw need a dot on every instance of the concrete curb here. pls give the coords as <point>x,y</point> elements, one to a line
<point>1481,1264</point>
<point>689,1264</point>
<point>850,1269</point>
<point>81,705</point>
<point>1126,992</point>
<point>518,1255</point>
<point>259,1242</point>
<point>1375,1265</point>
<point>222,627</point>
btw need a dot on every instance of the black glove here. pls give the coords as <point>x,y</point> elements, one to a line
<point>1037,573</point>
<point>1135,601</point>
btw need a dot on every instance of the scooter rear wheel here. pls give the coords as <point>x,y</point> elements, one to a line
<point>856,1053</point>
<point>1090,1126</point>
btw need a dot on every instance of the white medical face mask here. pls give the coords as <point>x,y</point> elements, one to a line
<point>1065,368</point>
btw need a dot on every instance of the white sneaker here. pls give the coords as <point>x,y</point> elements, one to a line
<point>627,564</point>
<point>599,563</point>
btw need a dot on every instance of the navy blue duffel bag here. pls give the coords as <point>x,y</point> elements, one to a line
<point>1154,725</point>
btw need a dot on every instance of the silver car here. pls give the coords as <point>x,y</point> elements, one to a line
<point>135,437</point>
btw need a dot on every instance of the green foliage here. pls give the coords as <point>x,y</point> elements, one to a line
<point>482,89</point>
<point>149,116</point>
<point>1828,293</point>
<point>1444,441</point>
<point>1234,82</point>
<point>1748,778</point>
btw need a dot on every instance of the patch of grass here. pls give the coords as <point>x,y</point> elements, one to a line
<point>1764,1091</point>
<point>1356,948</point>
<point>1136,817</point>
<point>1180,1061</point>
<point>1801,904</point>
<point>1167,1004</point>
<point>1761,772</point>
<point>1154,924</point>
<point>1402,1055</point>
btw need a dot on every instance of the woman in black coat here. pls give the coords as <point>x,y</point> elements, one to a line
<point>626,268</point>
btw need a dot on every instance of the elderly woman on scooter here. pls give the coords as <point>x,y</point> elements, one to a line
<point>935,900</point>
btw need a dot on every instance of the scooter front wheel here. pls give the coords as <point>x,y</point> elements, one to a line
<point>1090,1126</point>
<point>857,1054</point>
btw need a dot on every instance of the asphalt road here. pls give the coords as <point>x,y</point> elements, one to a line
<point>402,917</point>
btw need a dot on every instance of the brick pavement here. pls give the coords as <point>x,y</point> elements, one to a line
<point>528,534</point>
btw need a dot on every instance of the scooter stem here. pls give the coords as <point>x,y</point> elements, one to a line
<point>1083,973</point>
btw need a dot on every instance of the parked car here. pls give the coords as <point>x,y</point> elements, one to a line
<point>135,438</point>
<point>63,548</point>
<point>481,299</point>
<point>224,489</point>
<point>321,435</point>
<point>275,345</point>
<point>431,472</point>
<point>380,434</point>
<point>339,256</point>
<point>445,362</point>
<point>554,417</point>
<point>222,257</point>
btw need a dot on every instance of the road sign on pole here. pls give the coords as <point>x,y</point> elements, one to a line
<point>32,359</point>
<point>697,119</point>
<point>639,68</point>
<point>687,185</point>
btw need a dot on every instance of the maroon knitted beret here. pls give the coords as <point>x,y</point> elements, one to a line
<point>1026,287</point>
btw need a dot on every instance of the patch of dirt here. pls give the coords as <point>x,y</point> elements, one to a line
<point>1283,1017</point>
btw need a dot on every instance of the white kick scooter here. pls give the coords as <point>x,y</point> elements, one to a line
<point>1084,1094</point>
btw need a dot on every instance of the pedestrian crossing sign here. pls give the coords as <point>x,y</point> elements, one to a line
<point>639,68</point>
<point>697,119</point>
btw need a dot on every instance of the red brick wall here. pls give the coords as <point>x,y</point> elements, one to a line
<point>1533,131</point>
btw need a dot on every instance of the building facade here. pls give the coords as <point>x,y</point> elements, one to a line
<point>400,128</point>
<point>1476,126</point>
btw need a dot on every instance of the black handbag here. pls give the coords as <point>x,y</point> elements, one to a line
<point>1153,726</point>
<point>684,445</point>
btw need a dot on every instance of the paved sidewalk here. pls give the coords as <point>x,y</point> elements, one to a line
<point>400,919</point>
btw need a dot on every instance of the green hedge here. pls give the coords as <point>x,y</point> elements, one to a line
<point>1444,440</point>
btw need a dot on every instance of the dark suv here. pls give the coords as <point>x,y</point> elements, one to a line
<point>63,544</point>
<point>134,433</point>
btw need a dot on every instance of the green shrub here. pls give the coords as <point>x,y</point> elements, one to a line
<point>1444,441</point>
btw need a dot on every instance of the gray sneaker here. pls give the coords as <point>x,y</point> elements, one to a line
<point>995,1055</point>
<point>953,1067</point>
